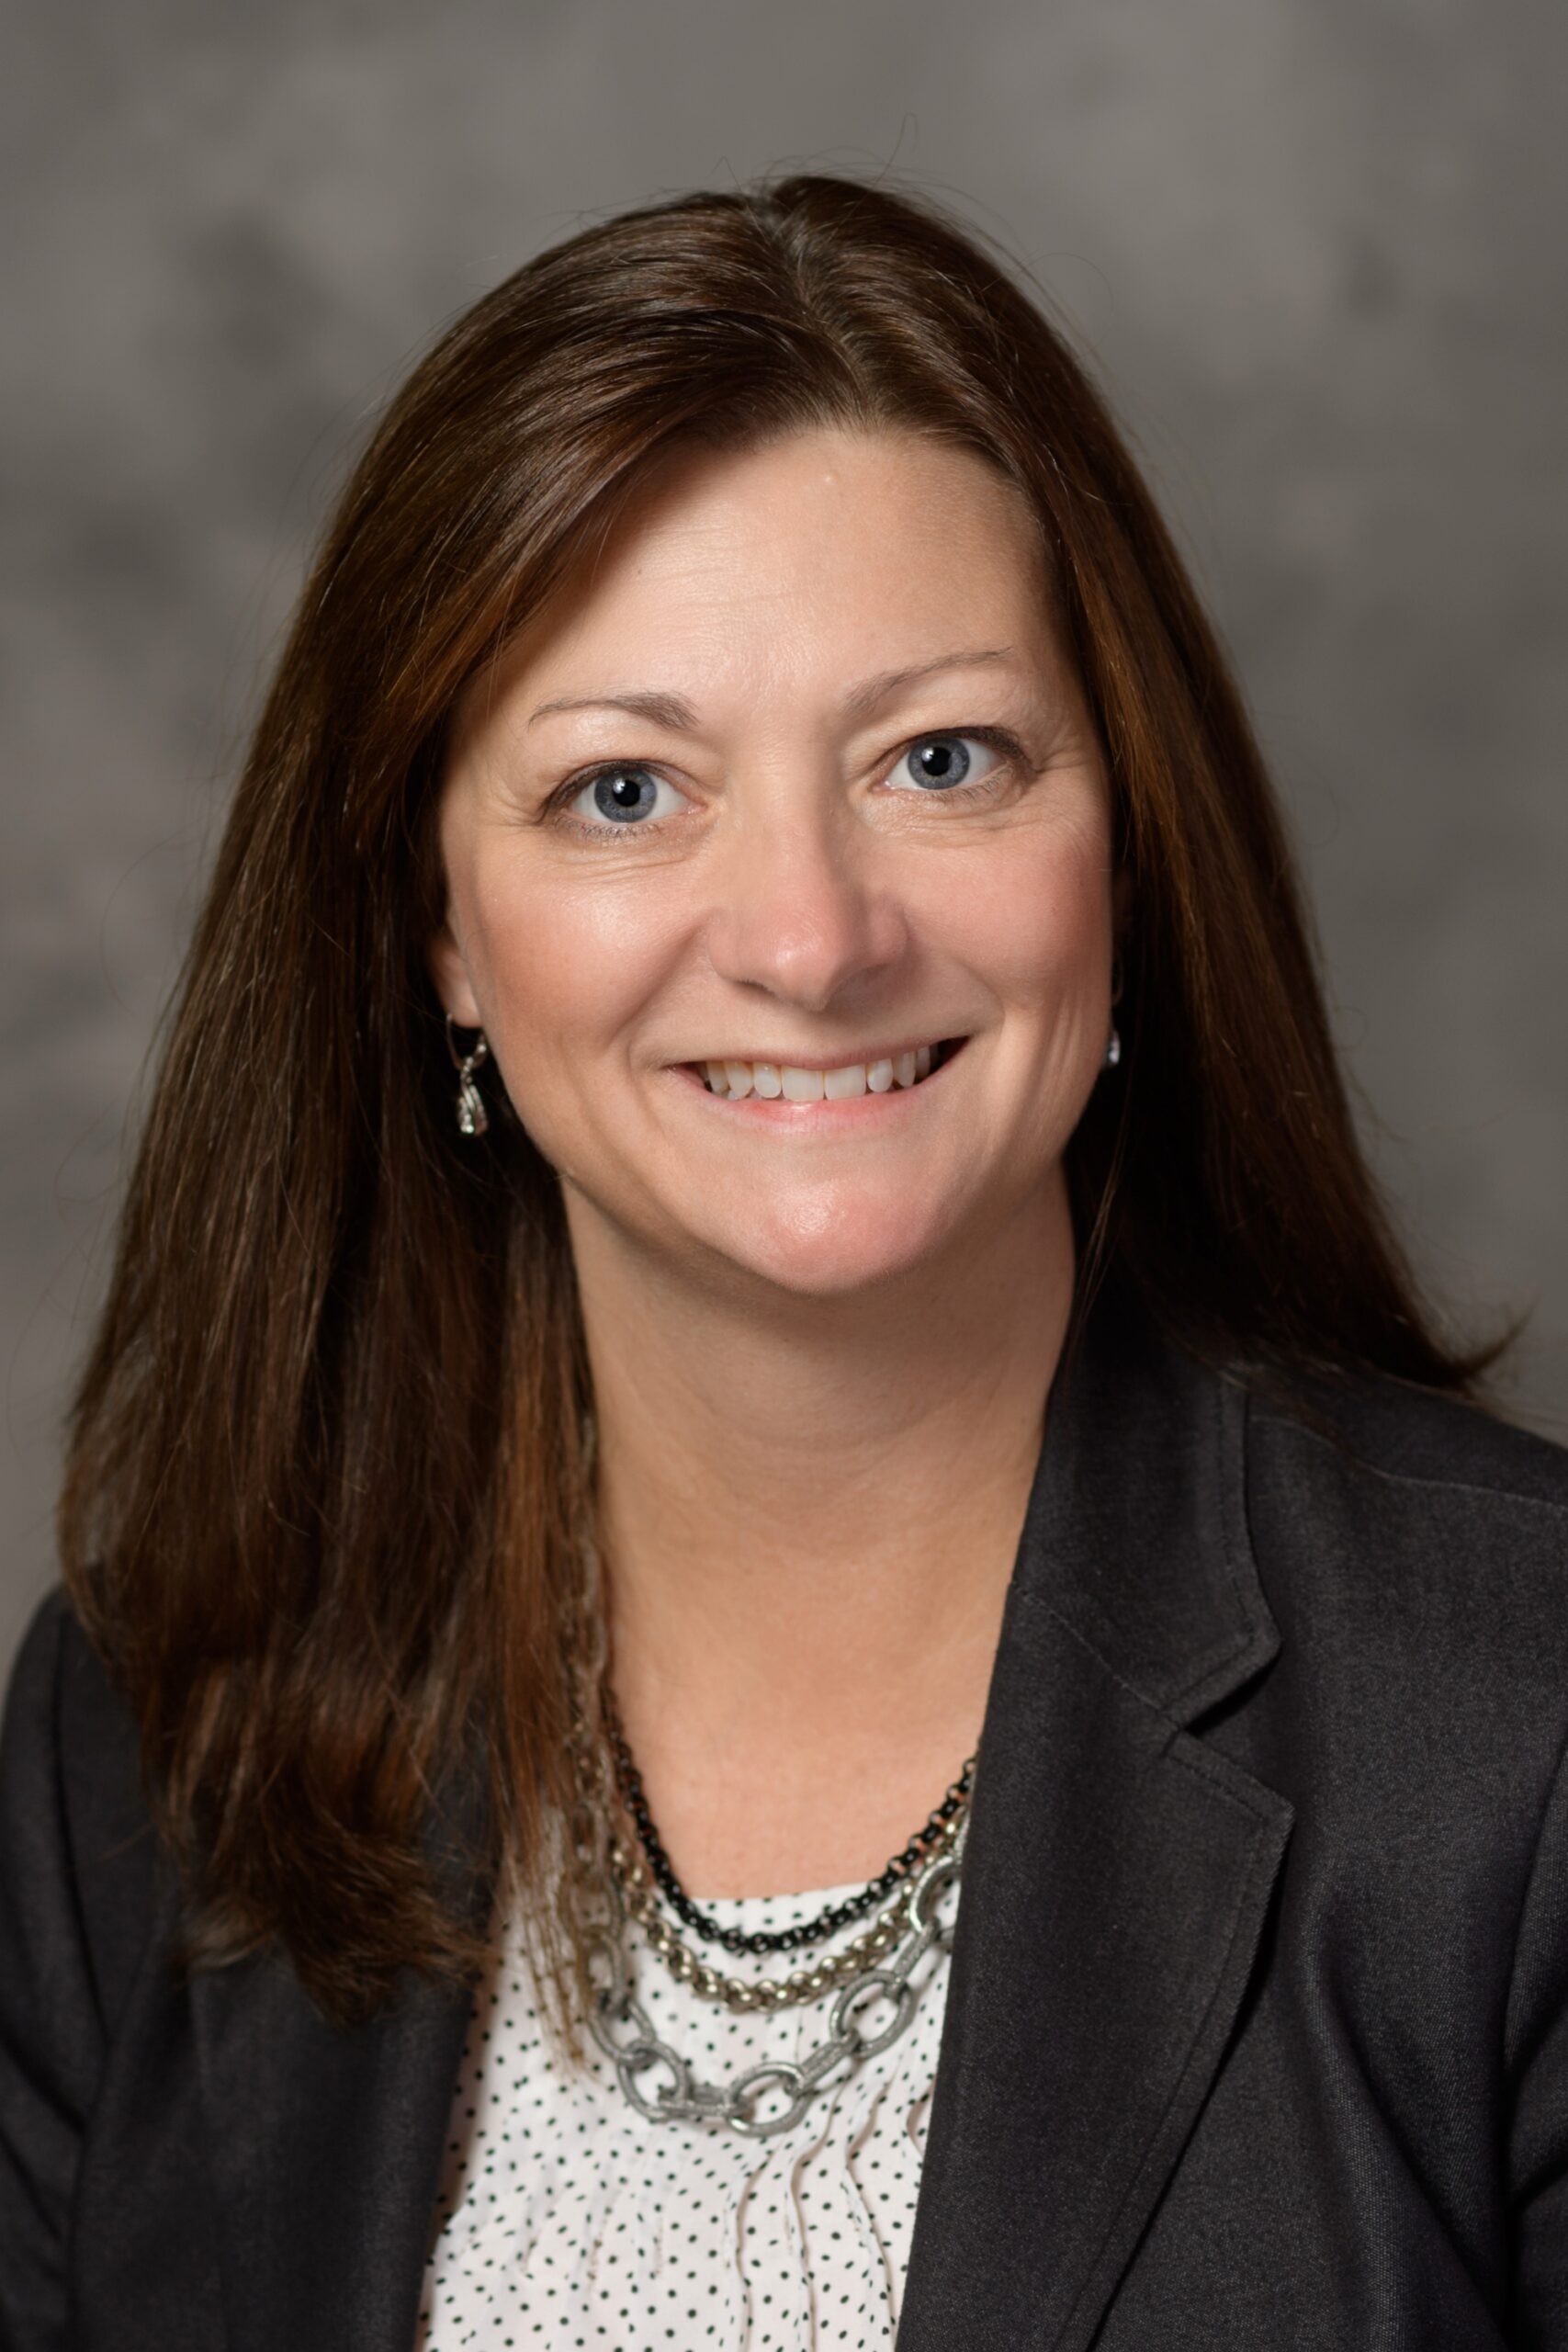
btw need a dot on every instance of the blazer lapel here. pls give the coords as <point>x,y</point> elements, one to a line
<point>1117,1870</point>
<point>326,2148</point>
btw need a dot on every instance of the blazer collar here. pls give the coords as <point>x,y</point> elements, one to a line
<point>1116,1876</point>
<point>1117,1870</point>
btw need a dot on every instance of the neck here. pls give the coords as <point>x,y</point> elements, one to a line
<point>810,1511</point>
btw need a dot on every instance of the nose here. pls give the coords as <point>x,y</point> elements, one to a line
<point>799,908</point>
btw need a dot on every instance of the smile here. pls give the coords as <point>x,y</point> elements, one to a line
<point>791,1082</point>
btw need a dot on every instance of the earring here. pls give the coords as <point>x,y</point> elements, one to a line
<point>472,1116</point>
<point>1113,1049</point>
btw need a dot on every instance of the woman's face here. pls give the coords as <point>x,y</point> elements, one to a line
<point>794,783</point>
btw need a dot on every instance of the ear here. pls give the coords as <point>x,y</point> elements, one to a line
<point>444,961</point>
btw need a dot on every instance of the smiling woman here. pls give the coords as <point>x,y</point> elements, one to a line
<point>884,1345</point>
<point>821,840</point>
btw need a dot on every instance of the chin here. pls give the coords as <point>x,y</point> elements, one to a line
<point>839,1255</point>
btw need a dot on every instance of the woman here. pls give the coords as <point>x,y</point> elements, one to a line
<point>749,1258</point>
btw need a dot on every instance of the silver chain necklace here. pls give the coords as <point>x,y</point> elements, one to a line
<point>624,2032</point>
<point>620,2025</point>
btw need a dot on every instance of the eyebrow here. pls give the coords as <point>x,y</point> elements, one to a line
<point>673,712</point>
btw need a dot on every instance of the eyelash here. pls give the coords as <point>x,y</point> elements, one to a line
<point>995,738</point>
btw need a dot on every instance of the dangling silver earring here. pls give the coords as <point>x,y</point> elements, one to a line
<point>472,1116</point>
<point>1114,1042</point>
<point>1113,1049</point>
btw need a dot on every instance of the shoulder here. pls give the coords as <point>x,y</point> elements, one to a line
<point>58,1674</point>
<point>1415,1546</point>
<point>66,1714</point>
<point>78,1854</point>
<point>1435,1446</point>
<point>1438,1475</point>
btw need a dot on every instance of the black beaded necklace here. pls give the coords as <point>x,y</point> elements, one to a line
<point>836,1915</point>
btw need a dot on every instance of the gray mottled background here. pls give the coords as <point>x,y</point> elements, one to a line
<point>1317,246</point>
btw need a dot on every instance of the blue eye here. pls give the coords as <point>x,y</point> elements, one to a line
<point>622,795</point>
<point>936,763</point>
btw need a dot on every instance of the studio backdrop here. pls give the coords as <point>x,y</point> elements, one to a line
<point>1315,248</point>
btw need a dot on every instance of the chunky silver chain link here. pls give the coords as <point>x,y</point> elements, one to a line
<point>624,2032</point>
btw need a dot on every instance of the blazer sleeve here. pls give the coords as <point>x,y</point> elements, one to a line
<point>51,2030</point>
<point>1536,2057</point>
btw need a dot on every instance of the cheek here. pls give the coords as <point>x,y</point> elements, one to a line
<point>566,965</point>
<point>1035,922</point>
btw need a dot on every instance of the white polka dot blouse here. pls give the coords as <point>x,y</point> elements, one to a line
<point>566,2219</point>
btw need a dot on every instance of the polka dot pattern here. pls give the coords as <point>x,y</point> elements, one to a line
<point>568,2219</point>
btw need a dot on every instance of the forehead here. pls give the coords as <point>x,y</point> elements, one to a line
<point>816,555</point>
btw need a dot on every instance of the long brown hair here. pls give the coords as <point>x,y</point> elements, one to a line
<point>325,1463</point>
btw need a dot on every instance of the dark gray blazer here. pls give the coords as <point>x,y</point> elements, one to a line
<point>1257,2030</point>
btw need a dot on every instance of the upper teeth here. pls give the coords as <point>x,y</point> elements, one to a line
<point>798,1085</point>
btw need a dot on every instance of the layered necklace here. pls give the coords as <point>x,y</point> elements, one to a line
<point>621,1870</point>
